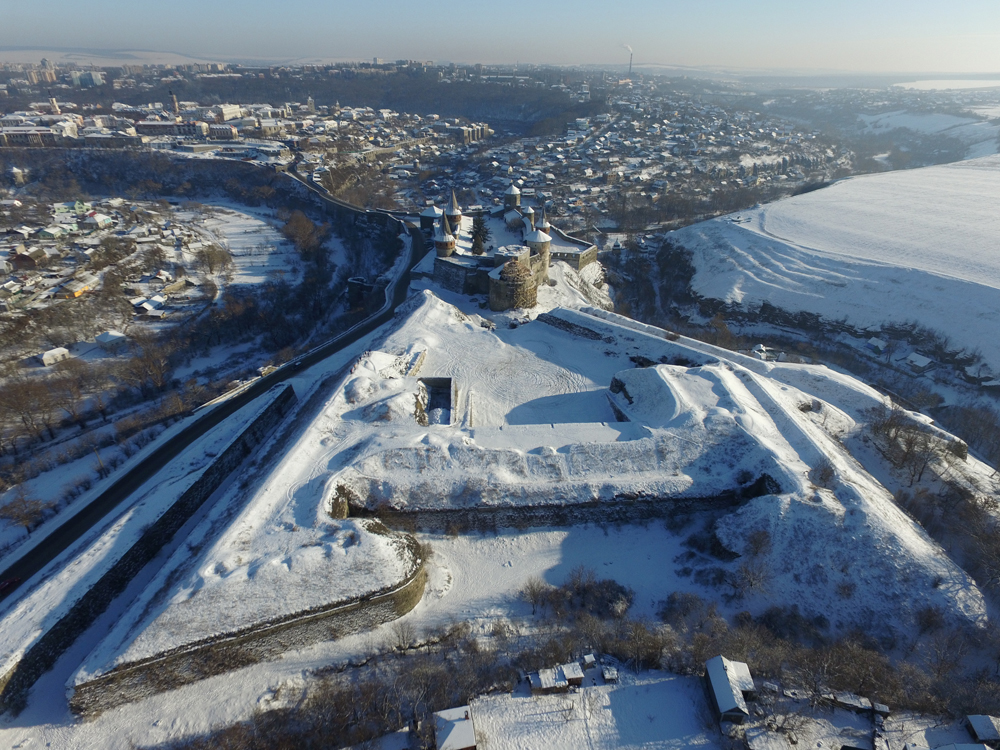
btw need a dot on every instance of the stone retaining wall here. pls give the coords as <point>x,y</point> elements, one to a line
<point>214,656</point>
<point>622,510</point>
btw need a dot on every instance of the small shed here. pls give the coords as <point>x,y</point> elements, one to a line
<point>572,673</point>
<point>589,661</point>
<point>918,363</point>
<point>609,675</point>
<point>730,686</point>
<point>454,729</point>
<point>984,729</point>
<point>111,341</point>
<point>54,356</point>
<point>546,681</point>
<point>877,345</point>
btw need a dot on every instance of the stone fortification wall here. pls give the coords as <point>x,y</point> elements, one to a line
<point>622,510</point>
<point>43,654</point>
<point>224,653</point>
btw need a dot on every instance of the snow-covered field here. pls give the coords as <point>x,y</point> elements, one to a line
<point>918,245</point>
<point>947,84</point>
<point>253,238</point>
<point>651,712</point>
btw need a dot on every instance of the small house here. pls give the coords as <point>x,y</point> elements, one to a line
<point>111,341</point>
<point>100,221</point>
<point>609,675</point>
<point>985,729</point>
<point>454,729</point>
<point>53,232</point>
<point>730,686</point>
<point>572,673</point>
<point>877,345</point>
<point>546,681</point>
<point>918,363</point>
<point>54,356</point>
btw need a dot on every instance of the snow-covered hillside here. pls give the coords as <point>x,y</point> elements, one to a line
<point>920,245</point>
<point>978,136</point>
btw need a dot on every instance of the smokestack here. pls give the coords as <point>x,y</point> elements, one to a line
<point>629,64</point>
<point>173,98</point>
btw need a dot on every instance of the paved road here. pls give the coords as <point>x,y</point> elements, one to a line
<point>73,528</point>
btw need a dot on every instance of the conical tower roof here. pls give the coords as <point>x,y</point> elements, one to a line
<point>453,207</point>
<point>543,222</point>
<point>443,230</point>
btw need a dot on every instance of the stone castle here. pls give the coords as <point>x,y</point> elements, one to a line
<point>512,267</point>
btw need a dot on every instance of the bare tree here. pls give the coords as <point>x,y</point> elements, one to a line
<point>535,592</point>
<point>24,510</point>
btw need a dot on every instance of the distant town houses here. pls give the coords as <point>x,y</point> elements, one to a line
<point>53,258</point>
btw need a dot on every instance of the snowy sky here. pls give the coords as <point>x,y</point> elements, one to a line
<point>849,35</point>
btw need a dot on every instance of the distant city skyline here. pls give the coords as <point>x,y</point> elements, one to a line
<point>768,35</point>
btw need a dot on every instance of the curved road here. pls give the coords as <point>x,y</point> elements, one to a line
<point>72,529</point>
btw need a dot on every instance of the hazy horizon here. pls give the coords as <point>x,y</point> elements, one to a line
<point>769,36</point>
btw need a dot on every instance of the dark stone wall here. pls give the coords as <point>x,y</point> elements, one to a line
<point>43,654</point>
<point>131,682</point>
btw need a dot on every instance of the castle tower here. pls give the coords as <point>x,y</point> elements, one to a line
<point>454,214</point>
<point>540,244</point>
<point>512,197</point>
<point>543,223</point>
<point>513,287</point>
<point>529,218</point>
<point>444,240</point>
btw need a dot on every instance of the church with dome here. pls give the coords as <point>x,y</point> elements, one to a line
<point>510,265</point>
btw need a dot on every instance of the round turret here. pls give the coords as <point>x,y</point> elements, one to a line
<point>512,197</point>
<point>444,240</point>
<point>529,218</point>
<point>454,214</point>
<point>514,272</point>
<point>541,245</point>
<point>513,287</point>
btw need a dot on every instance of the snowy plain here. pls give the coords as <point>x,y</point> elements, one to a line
<point>919,245</point>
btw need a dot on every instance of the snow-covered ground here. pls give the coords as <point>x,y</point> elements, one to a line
<point>253,238</point>
<point>531,422</point>
<point>649,711</point>
<point>947,84</point>
<point>918,245</point>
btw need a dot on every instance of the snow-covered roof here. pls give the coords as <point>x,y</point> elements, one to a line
<point>432,211</point>
<point>722,678</point>
<point>512,190</point>
<point>985,728</point>
<point>454,729</point>
<point>537,236</point>
<point>109,337</point>
<point>572,671</point>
